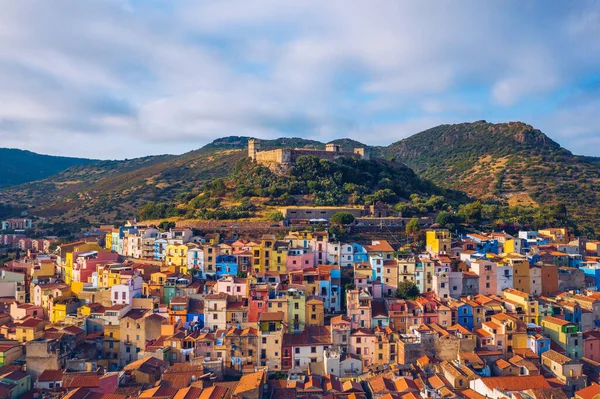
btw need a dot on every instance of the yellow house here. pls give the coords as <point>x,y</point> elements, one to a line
<point>67,251</point>
<point>521,303</point>
<point>108,240</point>
<point>29,330</point>
<point>515,337</point>
<point>521,270</point>
<point>212,239</point>
<point>279,258</point>
<point>565,334</point>
<point>176,255</point>
<point>438,241</point>
<point>108,277</point>
<point>510,246</point>
<point>59,312</point>
<point>43,268</point>
<point>262,253</point>
<point>269,255</point>
<point>63,306</point>
<point>315,311</point>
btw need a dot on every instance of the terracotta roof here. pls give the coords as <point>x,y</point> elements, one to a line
<point>514,383</point>
<point>556,320</point>
<point>249,382</point>
<point>502,364</point>
<point>471,394</point>
<point>75,380</point>
<point>589,392</point>
<point>51,375</point>
<point>136,313</point>
<point>271,316</point>
<point>214,392</point>
<point>556,357</point>
<point>30,323</point>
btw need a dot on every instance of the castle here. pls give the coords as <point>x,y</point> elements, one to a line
<point>282,158</point>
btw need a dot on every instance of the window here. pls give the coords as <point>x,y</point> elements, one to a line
<point>215,316</point>
<point>297,351</point>
<point>358,340</point>
<point>313,349</point>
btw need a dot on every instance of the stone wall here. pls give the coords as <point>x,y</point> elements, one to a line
<point>282,158</point>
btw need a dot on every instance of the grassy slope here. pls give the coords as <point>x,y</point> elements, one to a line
<point>510,162</point>
<point>20,166</point>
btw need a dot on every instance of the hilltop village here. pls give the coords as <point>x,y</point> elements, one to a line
<point>138,312</point>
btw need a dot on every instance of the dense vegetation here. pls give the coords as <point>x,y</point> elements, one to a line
<point>321,182</point>
<point>20,166</point>
<point>506,164</point>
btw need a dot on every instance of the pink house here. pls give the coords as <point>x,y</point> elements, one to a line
<point>20,311</point>
<point>362,343</point>
<point>87,263</point>
<point>359,308</point>
<point>298,259</point>
<point>488,278</point>
<point>591,345</point>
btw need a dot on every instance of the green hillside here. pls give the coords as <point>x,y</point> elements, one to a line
<point>20,166</point>
<point>510,163</point>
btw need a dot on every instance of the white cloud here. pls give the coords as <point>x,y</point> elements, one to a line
<point>173,76</point>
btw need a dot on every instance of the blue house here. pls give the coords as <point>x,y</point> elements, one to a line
<point>538,343</point>
<point>592,272</point>
<point>160,247</point>
<point>534,258</point>
<point>575,260</point>
<point>464,315</point>
<point>226,264</point>
<point>359,253</point>
<point>195,314</point>
<point>484,244</point>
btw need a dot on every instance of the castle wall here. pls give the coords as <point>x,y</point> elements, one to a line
<point>272,156</point>
<point>282,158</point>
<point>329,155</point>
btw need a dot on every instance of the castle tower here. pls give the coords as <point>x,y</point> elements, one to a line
<point>364,152</point>
<point>253,148</point>
<point>331,147</point>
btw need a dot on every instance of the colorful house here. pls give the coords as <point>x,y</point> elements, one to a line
<point>565,334</point>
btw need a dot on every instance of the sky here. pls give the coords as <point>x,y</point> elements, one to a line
<point>118,79</point>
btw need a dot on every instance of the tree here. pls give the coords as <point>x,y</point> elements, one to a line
<point>164,225</point>
<point>471,213</point>
<point>412,227</point>
<point>342,218</point>
<point>446,219</point>
<point>275,216</point>
<point>407,290</point>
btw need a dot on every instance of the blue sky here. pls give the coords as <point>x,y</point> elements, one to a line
<point>120,79</point>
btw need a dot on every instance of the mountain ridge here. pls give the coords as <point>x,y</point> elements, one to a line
<point>511,163</point>
<point>21,166</point>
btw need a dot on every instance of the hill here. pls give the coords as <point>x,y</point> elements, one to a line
<point>311,181</point>
<point>109,191</point>
<point>508,163</point>
<point>19,166</point>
